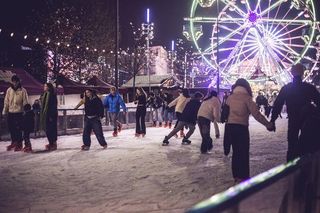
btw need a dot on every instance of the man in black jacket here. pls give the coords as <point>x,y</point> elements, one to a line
<point>296,95</point>
<point>188,118</point>
<point>94,111</point>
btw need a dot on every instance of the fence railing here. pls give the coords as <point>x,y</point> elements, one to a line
<point>289,188</point>
<point>70,121</point>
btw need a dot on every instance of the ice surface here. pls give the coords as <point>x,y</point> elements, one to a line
<point>132,175</point>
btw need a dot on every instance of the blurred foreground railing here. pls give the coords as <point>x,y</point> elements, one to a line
<point>289,188</point>
<point>70,121</point>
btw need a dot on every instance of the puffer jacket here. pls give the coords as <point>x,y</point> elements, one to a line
<point>210,109</point>
<point>241,106</point>
<point>113,103</point>
<point>15,100</point>
<point>180,103</point>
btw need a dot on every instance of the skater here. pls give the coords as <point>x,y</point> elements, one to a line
<point>112,103</point>
<point>27,127</point>
<point>180,103</point>
<point>49,116</point>
<point>94,111</point>
<point>236,133</point>
<point>187,118</point>
<point>297,96</point>
<point>36,110</point>
<point>208,112</point>
<point>168,112</point>
<point>155,102</point>
<point>16,97</point>
<point>141,101</point>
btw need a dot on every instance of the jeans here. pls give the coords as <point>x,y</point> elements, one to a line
<point>238,136</point>
<point>15,128</point>
<point>140,120</point>
<point>113,116</point>
<point>167,116</point>
<point>95,125</point>
<point>204,127</point>
<point>157,115</point>
<point>180,126</point>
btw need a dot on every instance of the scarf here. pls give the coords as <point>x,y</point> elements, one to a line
<point>44,109</point>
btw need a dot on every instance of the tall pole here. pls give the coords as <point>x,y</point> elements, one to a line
<point>148,48</point>
<point>218,66</point>
<point>116,49</point>
<point>185,70</point>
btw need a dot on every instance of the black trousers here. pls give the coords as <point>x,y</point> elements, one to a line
<point>294,127</point>
<point>15,127</point>
<point>178,114</point>
<point>140,120</point>
<point>204,127</point>
<point>95,125</point>
<point>26,138</point>
<point>51,130</point>
<point>237,136</point>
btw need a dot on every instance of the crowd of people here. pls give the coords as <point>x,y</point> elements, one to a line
<point>189,110</point>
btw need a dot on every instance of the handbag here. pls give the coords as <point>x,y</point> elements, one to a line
<point>225,109</point>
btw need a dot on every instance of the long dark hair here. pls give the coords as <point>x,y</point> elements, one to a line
<point>51,89</point>
<point>210,94</point>
<point>243,83</point>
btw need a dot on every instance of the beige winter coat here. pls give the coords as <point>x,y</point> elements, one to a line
<point>210,109</point>
<point>180,102</point>
<point>15,100</point>
<point>241,106</point>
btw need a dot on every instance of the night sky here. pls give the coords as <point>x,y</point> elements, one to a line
<point>167,16</point>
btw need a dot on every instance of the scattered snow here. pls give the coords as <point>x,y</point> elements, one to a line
<point>132,175</point>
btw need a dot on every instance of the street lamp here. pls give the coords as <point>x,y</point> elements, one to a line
<point>172,56</point>
<point>147,30</point>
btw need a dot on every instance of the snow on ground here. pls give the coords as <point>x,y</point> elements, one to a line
<point>132,175</point>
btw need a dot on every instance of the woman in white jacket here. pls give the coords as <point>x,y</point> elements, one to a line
<point>209,112</point>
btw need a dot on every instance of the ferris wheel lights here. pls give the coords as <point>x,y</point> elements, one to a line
<point>206,3</point>
<point>301,13</point>
<point>243,1</point>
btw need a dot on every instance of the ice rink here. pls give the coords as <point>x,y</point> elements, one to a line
<point>132,175</point>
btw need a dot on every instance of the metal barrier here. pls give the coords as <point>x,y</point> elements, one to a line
<point>70,121</point>
<point>289,188</point>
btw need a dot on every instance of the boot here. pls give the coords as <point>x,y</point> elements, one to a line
<point>18,147</point>
<point>143,135</point>
<point>181,133</point>
<point>160,124</point>
<point>51,147</point>
<point>115,133</point>
<point>165,141</point>
<point>154,124</point>
<point>27,149</point>
<point>85,148</point>
<point>11,146</point>
<point>186,141</point>
<point>170,125</point>
<point>137,135</point>
<point>119,127</point>
<point>165,124</point>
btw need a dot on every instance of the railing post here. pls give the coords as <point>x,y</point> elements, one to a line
<point>127,117</point>
<point>65,121</point>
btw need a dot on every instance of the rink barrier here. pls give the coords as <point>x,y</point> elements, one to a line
<point>70,121</point>
<point>289,188</point>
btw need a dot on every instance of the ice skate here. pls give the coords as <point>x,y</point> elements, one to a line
<point>165,125</point>
<point>11,146</point>
<point>170,125</point>
<point>217,136</point>
<point>105,146</point>
<point>115,133</point>
<point>85,148</point>
<point>27,149</point>
<point>160,124</point>
<point>165,141</point>
<point>119,127</point>
<point>18,148</point>
<point>137,135</point>
<point>182,133</point>
<point>51,147</point>
<point>143,135</point>
<point>185,141</point>
<point>154,124</point>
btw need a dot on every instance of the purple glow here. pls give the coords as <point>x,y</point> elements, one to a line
<point>253,17</point>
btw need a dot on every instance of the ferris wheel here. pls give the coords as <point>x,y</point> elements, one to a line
<point>258,40</point>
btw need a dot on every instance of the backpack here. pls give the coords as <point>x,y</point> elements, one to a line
<point>225,109</point>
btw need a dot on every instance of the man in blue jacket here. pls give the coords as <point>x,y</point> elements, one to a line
<point>112,103</point>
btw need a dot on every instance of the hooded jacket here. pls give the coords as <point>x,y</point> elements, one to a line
<point>15,100</point>
<point>113,103</point>
<point>241,106</point>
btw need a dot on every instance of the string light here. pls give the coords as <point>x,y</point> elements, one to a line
<point>48,41</point>
<point>25,37</point>
<point>12,34</point>
<point>37,39</point>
